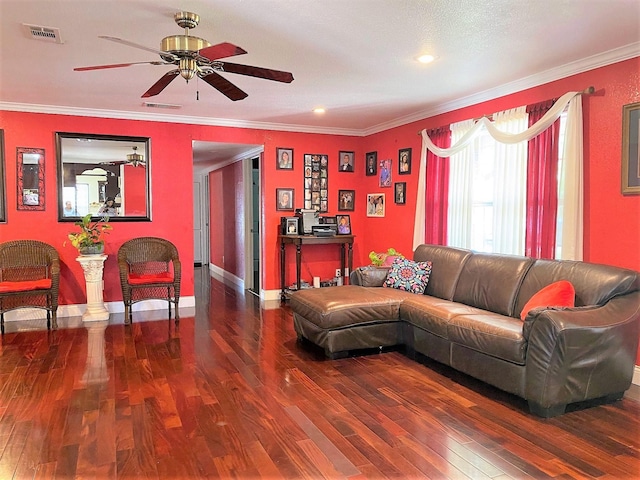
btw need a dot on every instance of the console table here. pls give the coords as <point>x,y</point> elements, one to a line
<point>299,241</point>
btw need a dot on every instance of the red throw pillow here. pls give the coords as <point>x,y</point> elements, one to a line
<point>558,294</point>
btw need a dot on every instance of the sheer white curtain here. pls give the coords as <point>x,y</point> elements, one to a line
<point>487,188</point>
<point>571,182</point>
<point>460,189</point>
<point>510,184</point>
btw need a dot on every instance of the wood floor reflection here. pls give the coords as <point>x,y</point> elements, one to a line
<point>229,393</point>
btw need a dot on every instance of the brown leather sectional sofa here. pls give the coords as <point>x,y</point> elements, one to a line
<point>469,319</point>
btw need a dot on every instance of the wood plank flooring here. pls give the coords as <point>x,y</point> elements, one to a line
<point>229,393</point>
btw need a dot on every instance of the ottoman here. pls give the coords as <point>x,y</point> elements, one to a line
<point>350,317</point>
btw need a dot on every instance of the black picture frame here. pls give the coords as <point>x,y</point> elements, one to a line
<point>349,165</point>
<point>404,161</point>
<point>371,164</point>
<point>400,193</point>
<point>344,224</point>
<point>630,151</point>
<point>284,199</point>
<point>346,200</point>
<point>282,162</point>
<point>3,196</point>
<point>316,182</point>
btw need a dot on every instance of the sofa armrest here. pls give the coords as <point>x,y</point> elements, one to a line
<point>581,353</point>
<point>369,276</point>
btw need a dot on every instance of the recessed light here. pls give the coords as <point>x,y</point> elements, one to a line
<point>319,110</point>
<point>426,58</point>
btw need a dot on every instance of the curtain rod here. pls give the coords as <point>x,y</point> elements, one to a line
<point>587,91</point>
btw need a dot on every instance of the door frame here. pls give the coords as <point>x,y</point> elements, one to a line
<point>247,176</point>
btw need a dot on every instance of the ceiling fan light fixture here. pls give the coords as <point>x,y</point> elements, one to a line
<point>188,68</point>
<point>134,158</point>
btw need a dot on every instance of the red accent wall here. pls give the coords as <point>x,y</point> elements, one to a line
<point>607,211</point>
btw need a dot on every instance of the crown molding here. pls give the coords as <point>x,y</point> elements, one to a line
<point>573,68</point>
<point>589,63</point>
<point>168,118</point>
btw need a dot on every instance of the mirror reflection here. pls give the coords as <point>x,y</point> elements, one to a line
<point>103,175</point>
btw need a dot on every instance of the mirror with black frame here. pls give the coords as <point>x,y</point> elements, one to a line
<point>103,175</point>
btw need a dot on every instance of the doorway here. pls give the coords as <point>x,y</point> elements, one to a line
<point>255,224</point>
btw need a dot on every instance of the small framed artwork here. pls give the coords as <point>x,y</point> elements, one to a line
<point>344,224</point>
<point>630,151</point>
<point>284,158</point>
<point>284,199</point>
<point>346,200</point>
<point>3,198</point>
<point>30,176</point>
<point>291,227</point>
<point>404,161</point>
<point>375,205</point>
<point>385,173</point>
<point>400,189</point>
<point>345,163</point>
<point>371,161</point>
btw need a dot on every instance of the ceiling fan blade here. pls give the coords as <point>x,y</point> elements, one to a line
<point>221,50</point>
<point>135,45</point>
<point>224,86</point>
<point>160,85</point>
<point>117,65</point>
<point>266,73</point>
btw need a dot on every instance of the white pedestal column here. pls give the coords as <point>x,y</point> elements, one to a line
<point>93,266</point>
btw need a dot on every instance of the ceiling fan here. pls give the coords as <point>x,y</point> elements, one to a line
<point>134,159</point>
<point>196,56</point>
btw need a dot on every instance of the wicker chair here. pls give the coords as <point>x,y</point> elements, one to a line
<point>149,269</point>
<point>29,278</point>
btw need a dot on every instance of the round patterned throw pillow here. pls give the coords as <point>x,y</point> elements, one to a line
<point>408,275</point>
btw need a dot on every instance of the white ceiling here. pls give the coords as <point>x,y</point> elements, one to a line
<point>354,57</point>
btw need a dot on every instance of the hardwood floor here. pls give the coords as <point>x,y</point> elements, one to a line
<point>229,393</point>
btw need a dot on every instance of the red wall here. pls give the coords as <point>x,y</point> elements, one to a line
<point>606,209</point>
<point>134,178</point>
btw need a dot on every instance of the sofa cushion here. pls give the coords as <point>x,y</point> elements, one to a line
<point>348,305</point>
<point>432,314</point>
<point>497,335</point>
<point>408,275</point>
<point>491,282</point>
<point>557,294</point>
<point>447,263</point>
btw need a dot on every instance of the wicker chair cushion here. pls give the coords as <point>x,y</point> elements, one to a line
<point>25,286</point>
<point>141,279</point>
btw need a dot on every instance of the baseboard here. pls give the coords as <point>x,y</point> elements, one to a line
<point>225,277</point>
<point>636,375</point>
<point>76,310</point>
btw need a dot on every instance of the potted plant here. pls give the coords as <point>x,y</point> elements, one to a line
<point>89,240</point>
<point>384,259</point>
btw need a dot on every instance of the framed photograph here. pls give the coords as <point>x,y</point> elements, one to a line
<point>630,152</point>
<point>375,204</point>
<point>284,158</point>
<point>371,162</point>
<point>284,199</point>
<point>400,190</point>
<point>385,173</point>
<point>291,227</point>
<point>344,224</point>
<point>346,200</point>
<point>316,182</point>
<point>345,161</point>
<point>404,161</point>
<point>3,198</point>
<point>30,166</point>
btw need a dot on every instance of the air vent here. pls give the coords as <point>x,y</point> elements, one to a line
<point>161,105</point>
<point>47,34</point>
